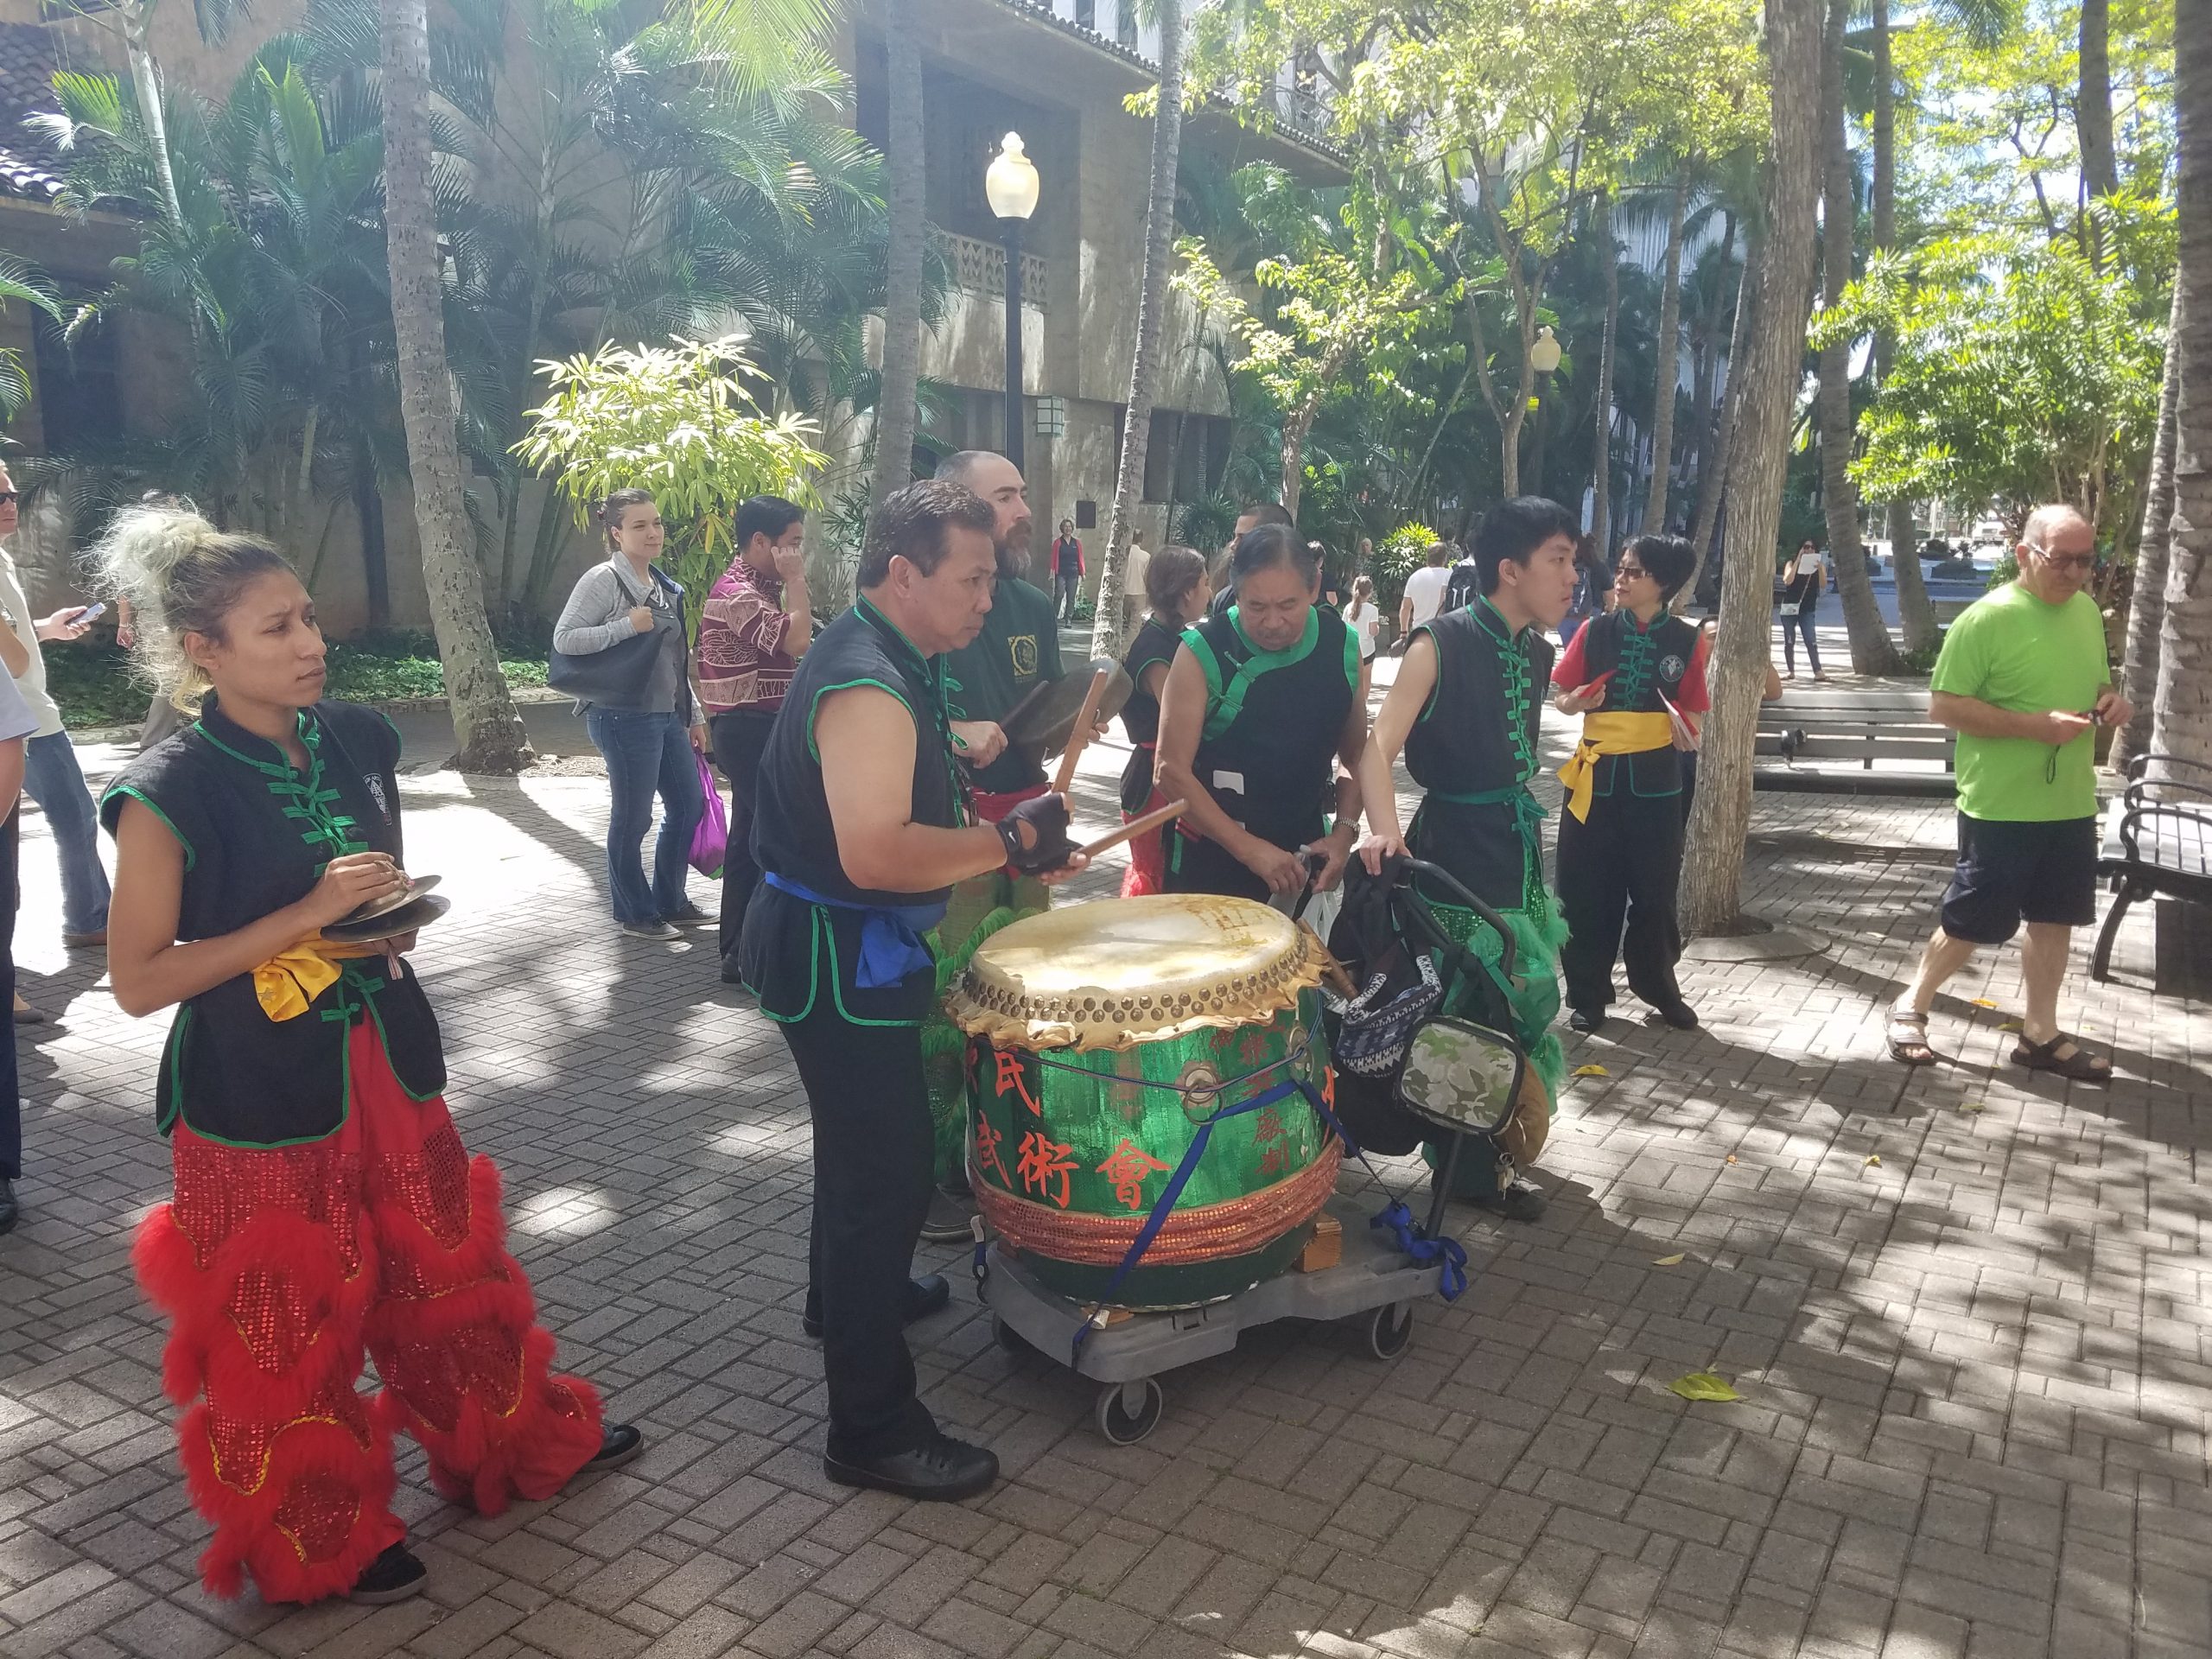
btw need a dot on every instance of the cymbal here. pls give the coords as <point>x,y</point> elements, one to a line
<point>1046,722</point>
<point>391,901</point>
<point>391,924</point>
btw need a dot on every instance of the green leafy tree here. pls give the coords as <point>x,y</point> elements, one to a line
<point>681,421</point>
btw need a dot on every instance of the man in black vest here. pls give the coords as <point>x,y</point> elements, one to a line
<point>854,873</point>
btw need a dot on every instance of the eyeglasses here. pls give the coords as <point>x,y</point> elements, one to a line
<point>8,498</point>
<point>1629,572</point>
<point>2064,560</point>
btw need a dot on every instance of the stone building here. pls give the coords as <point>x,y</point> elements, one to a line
<point>1056,71</point>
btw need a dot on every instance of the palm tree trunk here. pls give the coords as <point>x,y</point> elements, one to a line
<point>1710,498</point>
<point>902,310</point>
<point>145,78</point>
<point>1697,457</point>
<point>1601,517</point>
<point>1152,304</point>
<point>2182,717</point>
<point>2147,611</point>
<point>2092,101</point>
<point>1666,362</point>
<point>1764,388</point>
<point>1915,611</point>
<point>484,716</point>
<point>1871,650</point>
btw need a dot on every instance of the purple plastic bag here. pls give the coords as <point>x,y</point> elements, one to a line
<point>710,840</point>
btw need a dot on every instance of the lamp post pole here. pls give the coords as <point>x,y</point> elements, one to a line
<point>1543,357</point>
<point>1010,185</point>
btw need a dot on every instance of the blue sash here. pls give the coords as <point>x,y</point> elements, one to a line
<point>891,935</point>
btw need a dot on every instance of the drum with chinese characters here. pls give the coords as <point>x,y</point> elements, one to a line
<point>1103,1039</point>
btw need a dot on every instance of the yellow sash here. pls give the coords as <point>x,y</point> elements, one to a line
<point>288,983</point>
<point>1604,734</point>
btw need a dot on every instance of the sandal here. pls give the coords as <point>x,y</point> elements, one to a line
<point>2078,1066</point>
<point>1908,1037</point>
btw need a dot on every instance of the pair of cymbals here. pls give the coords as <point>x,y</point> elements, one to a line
<point>394,914</point>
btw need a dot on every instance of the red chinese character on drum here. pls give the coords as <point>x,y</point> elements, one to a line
<point>1274,1157</point>
<point>1043,1158</point>
<point>987,1141</point>
<point>1127,1167</point>
<point>1010,1076</point>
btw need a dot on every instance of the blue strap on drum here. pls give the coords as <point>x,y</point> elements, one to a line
<point>1394,1219</point>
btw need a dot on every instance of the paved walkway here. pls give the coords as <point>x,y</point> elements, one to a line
<point>1975,1392</point>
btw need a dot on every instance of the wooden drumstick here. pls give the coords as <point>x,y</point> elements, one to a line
<point>1134,828</point>
<point>1081,735</point>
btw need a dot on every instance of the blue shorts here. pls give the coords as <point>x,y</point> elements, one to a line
<point>2009,872</point>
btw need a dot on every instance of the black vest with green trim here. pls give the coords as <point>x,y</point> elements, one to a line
<point>1474,750</point>
<point>792,948</point>
<point>1156,643</point>
<point>255,835</point>
<point>1274,720</point>
<point>1646,664</point>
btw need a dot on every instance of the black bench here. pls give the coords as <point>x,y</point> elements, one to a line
<point>2158,844</point>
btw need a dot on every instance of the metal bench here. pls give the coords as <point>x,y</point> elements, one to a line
<point>2158,844</point>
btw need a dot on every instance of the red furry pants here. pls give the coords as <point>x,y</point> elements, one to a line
<point>277,1267</point>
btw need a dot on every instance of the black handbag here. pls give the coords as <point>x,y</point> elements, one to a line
<point>616,675</point>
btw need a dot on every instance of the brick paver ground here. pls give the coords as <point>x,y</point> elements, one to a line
<point>1975,1389</point>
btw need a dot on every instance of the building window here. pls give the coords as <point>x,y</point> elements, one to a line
<point>1125,23</point>
<point>1086,13</point>
<point>79,396</point>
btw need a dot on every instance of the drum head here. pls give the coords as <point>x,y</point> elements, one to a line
<point>1118,972</point>
<point>1045,722</point>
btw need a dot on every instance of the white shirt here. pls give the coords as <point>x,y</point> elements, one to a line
<point>32,681</point>
<point>1425,588</point>
<point>1135,562</point>
<point>1366,621</point>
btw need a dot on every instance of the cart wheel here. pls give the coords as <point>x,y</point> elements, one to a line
<point>1010,1338</point>
<point>1122,1425</point>
<point>1390,1329</point>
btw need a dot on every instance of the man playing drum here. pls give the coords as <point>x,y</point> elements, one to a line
<point>1260,704</point>
<point>1465,710</point>
<point>853,875</point>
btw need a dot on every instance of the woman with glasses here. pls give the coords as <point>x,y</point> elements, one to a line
<point>1636,674</point>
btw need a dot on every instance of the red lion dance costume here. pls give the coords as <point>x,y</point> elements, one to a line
<point>324,1205</point>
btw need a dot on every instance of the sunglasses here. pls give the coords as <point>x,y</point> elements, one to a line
<point>2065,561</point>
<point>8,498</point>
<point>1629,572</point>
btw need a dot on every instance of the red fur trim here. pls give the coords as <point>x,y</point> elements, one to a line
<point>532,1452</point>
<point>490,1283</point>
<point>247,1538</point>
<point>205,1352</point>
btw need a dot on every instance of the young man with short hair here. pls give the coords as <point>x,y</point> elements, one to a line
<point>1465,709</point>
<point>2024,680</point>
<point>757,623</point>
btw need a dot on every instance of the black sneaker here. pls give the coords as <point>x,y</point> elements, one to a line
<point>1586,1020</point>
<point>926,1295</point>
<point>1679,1014</point>
<point>688,914</point>
<point>393,1576</point>
<point>943,1471</point>
<point>620,1442</point>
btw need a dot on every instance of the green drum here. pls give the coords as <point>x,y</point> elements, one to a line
<point>1102,1037</point>
<point>978,908</point>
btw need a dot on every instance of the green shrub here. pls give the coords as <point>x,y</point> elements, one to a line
<point>1397,556</point>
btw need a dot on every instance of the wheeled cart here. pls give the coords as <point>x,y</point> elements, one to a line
<point>1373,1281</point>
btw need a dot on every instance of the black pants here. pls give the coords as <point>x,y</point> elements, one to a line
<point>738,738</point>
<point>873,1152</point>
<point>1624,863</point>
<point>11,1104</point>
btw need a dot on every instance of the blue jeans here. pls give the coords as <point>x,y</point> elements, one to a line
<point>52,778</point>
<point>1804,622</point>
<point>647,755</point>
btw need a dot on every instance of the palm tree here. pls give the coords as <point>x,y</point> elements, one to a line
<point>2182,717</point>
<point>1670,329</point>
<point>902,314</point>
<point>1768,373</point>
<point>490,731</point>
<point>1152,304</point>
<point>1601,515</point>
<point>1915,611</point>
<point>1871,650</point>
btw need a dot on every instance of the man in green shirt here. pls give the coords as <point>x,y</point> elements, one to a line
<point>2023,680</point>
<point>1020,645</point>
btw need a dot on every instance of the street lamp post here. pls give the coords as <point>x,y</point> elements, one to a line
<point>1543,357</point>
<point>1010,186</point>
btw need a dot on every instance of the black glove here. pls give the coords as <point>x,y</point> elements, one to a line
<point>1047,817</point>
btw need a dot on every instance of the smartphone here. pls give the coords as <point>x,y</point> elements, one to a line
<point>93,612</point>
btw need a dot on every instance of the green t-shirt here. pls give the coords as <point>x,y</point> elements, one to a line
<point>2014,651</point>
<point>1020,645</point>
